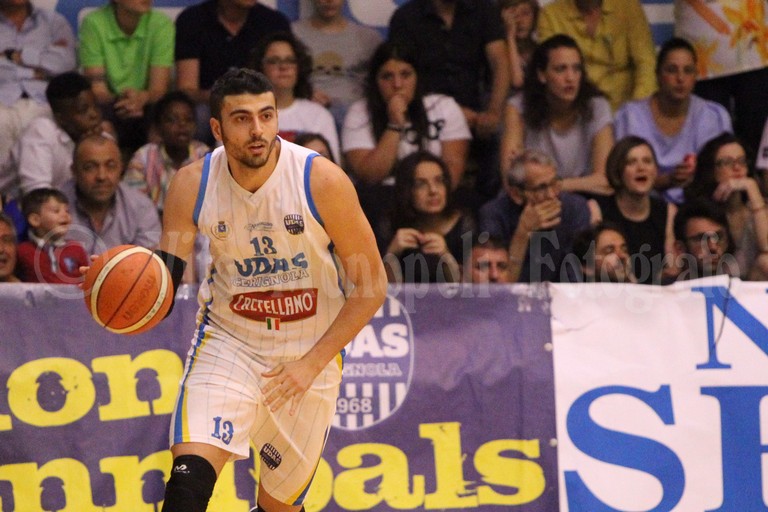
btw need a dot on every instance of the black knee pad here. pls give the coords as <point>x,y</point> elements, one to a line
<point>190,486</point>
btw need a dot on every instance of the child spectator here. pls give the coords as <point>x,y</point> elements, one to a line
<point>46,257</point>
<point>153,165</point>
<point>8,251</point>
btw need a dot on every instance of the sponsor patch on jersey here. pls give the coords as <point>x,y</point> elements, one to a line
<point>259,226</point>
<point>294,223</point>
<point>221,230</point>
<point>270,456</point>
<point>276,306</point>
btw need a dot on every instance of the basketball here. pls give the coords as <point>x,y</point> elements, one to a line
<point>128,289</point>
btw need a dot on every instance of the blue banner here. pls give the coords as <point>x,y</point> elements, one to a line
<point>447,403</point>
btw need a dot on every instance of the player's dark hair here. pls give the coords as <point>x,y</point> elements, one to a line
<point>33,201</point>
<point>65,86</point>
<point>237,81</point>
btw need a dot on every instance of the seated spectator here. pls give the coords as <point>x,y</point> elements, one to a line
<point>288,65</point>
<point>46,257</point>
<point>603,255</point>
<point>213,36</point>
<point>126,49</point>
<point>154,164</point>
<point>394,120</point>
<point>561,113</point>
<point>703,242</point>
<point>107,213</point>
<point>36,44</point>
<point>645,219</point>
<point>724,175</point>
<point>674,121</point>
<point>488,261</point>
<point>315,142</point>
<point>42,158</point>
<point>341,49</point>
<point>520,18</point>
<point>7,250</point>
<point>397,119</point>
<point>426,238</point>
<point>459,50</point>
<point>535,218</point>
<point>616,40</point>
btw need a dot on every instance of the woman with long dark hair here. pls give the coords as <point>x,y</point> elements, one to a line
<point>724,175</point>
<point>561,113</point>
<point>396,119</point>
<point>427,233</point>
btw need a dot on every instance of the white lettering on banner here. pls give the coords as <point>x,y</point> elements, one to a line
<point>640,436</point>
<point>377,369</point>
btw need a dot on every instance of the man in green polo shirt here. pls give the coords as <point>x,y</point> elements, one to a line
<point>126,49</point>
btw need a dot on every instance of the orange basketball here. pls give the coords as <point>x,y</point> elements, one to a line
<point>128,289</point>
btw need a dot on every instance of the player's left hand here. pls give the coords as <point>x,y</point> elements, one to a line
<point>287,382</point>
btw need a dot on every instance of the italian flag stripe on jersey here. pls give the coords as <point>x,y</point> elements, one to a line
<point>273,324</point>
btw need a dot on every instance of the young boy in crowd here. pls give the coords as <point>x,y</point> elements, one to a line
<point>46,257</point>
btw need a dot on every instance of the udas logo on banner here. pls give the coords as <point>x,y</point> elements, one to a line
<point>377,369</point>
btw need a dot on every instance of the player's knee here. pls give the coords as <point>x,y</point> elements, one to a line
<point>190,486</point>
<point>258,508</point>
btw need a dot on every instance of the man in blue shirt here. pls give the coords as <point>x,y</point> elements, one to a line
<point>536,219</point>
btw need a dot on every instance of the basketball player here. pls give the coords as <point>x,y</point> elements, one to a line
<point>295,275</point>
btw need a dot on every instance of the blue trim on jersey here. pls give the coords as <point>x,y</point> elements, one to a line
<point>307,191</point>
<point>178,430</point>
<point>201,190</point>
<point>331,248</point>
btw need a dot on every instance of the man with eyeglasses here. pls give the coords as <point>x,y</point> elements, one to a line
<point>703,241</point>
<point>536,219</point>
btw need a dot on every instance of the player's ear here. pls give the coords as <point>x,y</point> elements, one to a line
<point>216,129</point>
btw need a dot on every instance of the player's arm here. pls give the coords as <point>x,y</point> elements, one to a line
<point>352,236</point>
<point>355,244</point>
<point>177,240</point>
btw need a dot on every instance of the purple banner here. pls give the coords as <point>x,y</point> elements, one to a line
<point>447,403</point>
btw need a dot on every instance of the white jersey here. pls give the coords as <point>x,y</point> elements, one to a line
<point>274,282</point>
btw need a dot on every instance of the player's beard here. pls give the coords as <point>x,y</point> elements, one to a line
<point>244,157</point>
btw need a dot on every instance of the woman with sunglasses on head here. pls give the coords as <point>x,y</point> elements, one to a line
<point>723,174</point>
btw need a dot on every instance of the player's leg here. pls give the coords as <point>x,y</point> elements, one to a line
<point>193,476</point>
<point>269,504</point>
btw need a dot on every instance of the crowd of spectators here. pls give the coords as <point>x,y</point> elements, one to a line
<point>490,141</point>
